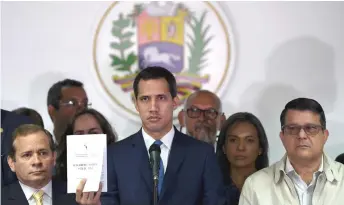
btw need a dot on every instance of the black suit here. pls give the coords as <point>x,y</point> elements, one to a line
<point>13,194</point>
<point>9,122</point>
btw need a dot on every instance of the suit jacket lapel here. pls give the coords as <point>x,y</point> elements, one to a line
<point>60,195</point>
<point>54,190</point>
<point>58,189</point>
<point>176,158</point>
<point>141,158</point>
<point>16,194</point>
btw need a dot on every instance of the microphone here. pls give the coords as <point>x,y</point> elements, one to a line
<point>154,158</point>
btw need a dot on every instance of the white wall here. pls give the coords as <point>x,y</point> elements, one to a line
<point>284,50</point>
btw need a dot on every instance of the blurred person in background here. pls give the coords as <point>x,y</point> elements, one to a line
<point>202,116</point>
<point>65,99</point>
<point>89,121</point>
<point>31,113</point>
<point>340,158</point>
<point>242,149</point>
<point>9,122</point>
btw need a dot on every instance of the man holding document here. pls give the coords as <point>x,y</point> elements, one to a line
<point>188,171</point>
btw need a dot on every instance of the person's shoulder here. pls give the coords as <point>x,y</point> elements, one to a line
<point>336,167</point>
<point>60,195</point>
<point>9,117</point>
<point>7,189</point>
<point>4,113</point>
<point>339,167</point>
<point>195,143</point>
<point>124,143</point>
<point>266,174</point>
<point>59,184</point>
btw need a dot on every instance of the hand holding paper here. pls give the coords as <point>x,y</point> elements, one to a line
<point>87,198</point>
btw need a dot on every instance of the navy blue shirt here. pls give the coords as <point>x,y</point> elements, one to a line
<point>232,193</point>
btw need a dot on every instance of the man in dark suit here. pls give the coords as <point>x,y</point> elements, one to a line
<point>189,173</point>
<point>9,122</point>
<point>14,195</point>
<point>32,158</point>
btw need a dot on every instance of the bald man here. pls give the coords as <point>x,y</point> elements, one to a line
<point>202,116</point>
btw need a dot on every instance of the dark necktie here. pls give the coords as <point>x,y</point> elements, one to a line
<point>161,170</point>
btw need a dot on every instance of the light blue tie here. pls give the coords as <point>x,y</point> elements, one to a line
<point>161,170</point>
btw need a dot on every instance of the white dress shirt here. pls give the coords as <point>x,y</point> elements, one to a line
<point>47,196</point>
<point>304,191</point>
<point>165,146</point>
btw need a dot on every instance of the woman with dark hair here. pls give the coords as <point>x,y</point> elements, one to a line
<point>242,149</point>
<point>89,121</point>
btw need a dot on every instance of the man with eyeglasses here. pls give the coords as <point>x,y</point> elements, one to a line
<point>305,175</point>
<point>65,99</point>
<point>202,116</point>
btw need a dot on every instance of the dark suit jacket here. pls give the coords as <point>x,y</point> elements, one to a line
<point>9,122</point>
<point>13,194</point>
<point>192,177</point>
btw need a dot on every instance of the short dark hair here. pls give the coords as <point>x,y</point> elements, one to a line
<point>61,161</point>
<point>27,129</point>
<point>31,113</point>
<point>340,158</point>
<point>156,72</point>
<point>262,160</point>
<point>55,91</point>
<point>304,104</point>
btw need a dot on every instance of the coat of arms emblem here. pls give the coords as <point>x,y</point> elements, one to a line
<point>193,40</point>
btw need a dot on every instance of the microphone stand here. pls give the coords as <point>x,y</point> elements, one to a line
<point>155,189</point>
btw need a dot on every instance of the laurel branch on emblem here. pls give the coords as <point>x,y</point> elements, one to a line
<point>198,44</point>
<point>123,60</point>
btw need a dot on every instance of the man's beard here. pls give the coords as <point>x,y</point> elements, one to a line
<point>204,133</point>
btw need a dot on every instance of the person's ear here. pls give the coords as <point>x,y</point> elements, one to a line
<point>176,102</point>
<point>11,163</point>
<point>52,112</point>
<point>181,118</point>
<point>222,120</point>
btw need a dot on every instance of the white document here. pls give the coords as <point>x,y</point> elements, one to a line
<point>86,159</point>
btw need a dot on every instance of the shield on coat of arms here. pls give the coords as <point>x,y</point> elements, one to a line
<point>192,40</point>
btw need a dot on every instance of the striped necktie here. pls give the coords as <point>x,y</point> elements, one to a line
<point>38,196</point>
<point>161,170</point>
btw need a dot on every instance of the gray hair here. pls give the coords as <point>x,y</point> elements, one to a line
<point>195,94</point>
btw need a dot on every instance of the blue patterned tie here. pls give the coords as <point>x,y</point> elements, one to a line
<point>161,170</point>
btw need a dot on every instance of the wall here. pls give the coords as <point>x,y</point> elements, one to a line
<point>283,49</point>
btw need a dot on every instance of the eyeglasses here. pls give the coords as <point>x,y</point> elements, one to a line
<point>75,103</point>
<point>309,129</point>
<point>195,112</point>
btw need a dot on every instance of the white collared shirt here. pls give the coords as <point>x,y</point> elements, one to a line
<point>165,146</point>
<point>28,191</point>
<point>215,144</point>
<point>304,191</point>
